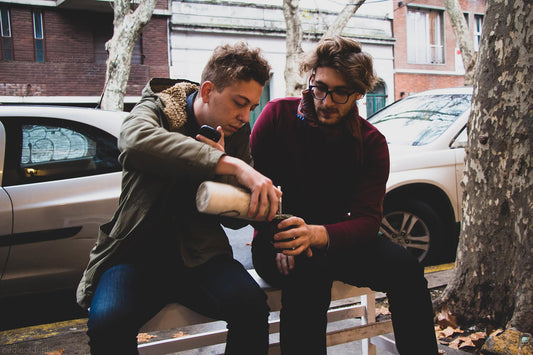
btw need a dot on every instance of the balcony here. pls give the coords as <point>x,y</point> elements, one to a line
<point>91,5</point>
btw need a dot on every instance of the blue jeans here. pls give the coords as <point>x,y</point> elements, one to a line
<point>129,294</point>
<point>382,266</point>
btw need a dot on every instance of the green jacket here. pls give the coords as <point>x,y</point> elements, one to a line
<point>163,166</point>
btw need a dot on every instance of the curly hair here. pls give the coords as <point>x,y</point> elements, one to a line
<point>230,63</point>
<point>345,56</point>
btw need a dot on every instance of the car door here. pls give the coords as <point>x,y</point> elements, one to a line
<point>6,211</point>
<point>63,179</point>
<point>458,146</point>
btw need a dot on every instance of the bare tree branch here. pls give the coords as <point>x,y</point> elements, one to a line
<point>466,42</point>
<point>127,26</point>
<point>342,19</point>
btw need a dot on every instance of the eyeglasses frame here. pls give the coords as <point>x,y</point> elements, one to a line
<point>328,92</point>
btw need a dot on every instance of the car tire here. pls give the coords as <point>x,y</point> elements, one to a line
<point>415,225</point>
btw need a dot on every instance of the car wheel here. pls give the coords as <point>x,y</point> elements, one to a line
<point>416,226</point>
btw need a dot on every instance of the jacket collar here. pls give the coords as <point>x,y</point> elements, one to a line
<point>174,99</point>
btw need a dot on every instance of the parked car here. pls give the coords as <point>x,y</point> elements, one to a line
<point>60,180</point>
<point>426,133</point>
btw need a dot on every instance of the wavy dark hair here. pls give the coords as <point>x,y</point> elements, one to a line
<point>230,63</point>
<point>345,56</point>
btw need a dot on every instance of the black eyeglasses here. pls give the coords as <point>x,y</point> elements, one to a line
<point>339,96</point>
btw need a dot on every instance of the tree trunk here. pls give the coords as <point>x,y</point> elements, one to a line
<point>127,27</point>
<point>462,34</point>
<point>493,280</point>
<point>294,84</point>
<point>342,19</point>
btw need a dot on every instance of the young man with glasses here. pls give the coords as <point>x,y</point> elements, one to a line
<point>333,166</point>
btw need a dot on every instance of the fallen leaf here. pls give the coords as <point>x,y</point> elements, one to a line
<point>144,337</point>
<point>496,332</point>
<point>178,335</point>
<point>478,338</point>
<point>382,311</point>
<point>445,333</point>
<point>467,344</point>
<point>454,344</point>
<point>464,339</point>
<point>57,352</point>
<point>445,318</point>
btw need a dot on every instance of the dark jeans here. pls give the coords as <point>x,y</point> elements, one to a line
<point>129,294</point>
<point>383,266</point>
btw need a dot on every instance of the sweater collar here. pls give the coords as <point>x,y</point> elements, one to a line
<point>306,110</point>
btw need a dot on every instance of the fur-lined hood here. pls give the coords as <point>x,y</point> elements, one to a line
<point>173,95</point>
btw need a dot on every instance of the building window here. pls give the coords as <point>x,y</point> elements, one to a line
<point>100,53</point>
<point>478,24</point>
<point>38,35</point>
<point>137,57</point>
<point>5,33</point>
<point>425,36</point>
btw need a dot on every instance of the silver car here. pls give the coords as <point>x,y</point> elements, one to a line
<point>426,133</point>
<point>60,181</point>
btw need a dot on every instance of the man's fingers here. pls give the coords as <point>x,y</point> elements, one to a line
<point>262,200</point>
<point>254,197</point>
<point>280,260</point>
<point>217,145</point>
<point>291,221</point>
<point>291,262</point>
<point>285,263</point>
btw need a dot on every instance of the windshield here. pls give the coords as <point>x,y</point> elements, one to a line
<point>419,120</point>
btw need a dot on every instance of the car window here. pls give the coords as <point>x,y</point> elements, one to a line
<point>419,120</point>
<point>39,150</point>
<point>461,139</point>
<point>46,144</point>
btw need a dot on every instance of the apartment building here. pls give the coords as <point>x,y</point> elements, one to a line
<point>53,51</point>
<point>426,53</point>
<point>198,26</point>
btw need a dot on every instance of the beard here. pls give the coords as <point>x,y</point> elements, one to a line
<point>333,116</point>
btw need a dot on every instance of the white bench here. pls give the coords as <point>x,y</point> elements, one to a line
<point>348,302</point>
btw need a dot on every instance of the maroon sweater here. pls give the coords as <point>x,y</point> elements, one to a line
<point>317,168</point>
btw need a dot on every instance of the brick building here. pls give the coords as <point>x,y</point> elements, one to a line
<point>53,51</point>
<point>426,55</point>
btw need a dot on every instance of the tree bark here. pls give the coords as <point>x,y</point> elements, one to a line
<point>294,84</point>
<point>342,19</point>
<point>493,280</point>
<point>127,27</point>
<point>462,34</point>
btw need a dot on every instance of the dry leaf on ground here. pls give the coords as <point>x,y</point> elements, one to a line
<point>446,319</point>
<point>144,337</point>
<point>447,332</point>
<point>468,343</point>
<point>382,311</point>
<point>56,352</point>
<point>474,340</point>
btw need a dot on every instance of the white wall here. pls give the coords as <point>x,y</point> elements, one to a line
<point>197,27</point>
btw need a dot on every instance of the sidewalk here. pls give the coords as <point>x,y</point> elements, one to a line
<point>69,337</point>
